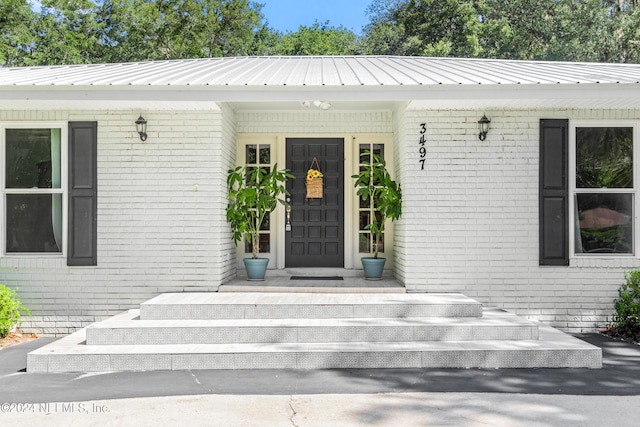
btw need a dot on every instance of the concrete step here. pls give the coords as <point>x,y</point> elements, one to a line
<point>128,329</point>
<point>312,331</point>
<point>554,349</point>
<point>258,305</point>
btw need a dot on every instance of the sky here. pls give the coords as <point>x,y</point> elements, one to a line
<point>288,15</point>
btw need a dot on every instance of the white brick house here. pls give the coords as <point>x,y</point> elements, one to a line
<point>472,216</point>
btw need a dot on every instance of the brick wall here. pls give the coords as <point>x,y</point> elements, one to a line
<point>225,259</point>
<point>160,227</point>
<point>470,220</point>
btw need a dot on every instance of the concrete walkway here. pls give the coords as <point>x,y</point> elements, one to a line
<point>384,397</point>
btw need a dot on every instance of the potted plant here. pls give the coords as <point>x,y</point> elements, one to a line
<point>254,192</point>
<point>374,183</point>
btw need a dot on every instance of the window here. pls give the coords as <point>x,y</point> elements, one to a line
<point>259,156</point>
<point>33,190</point>
<point>366,208</point>
<point>604,190</point>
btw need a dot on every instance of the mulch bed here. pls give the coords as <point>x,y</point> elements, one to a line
<point>16,337</point>
<point>613,332</point>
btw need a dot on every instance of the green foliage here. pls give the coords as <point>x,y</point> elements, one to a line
<point>97,31</point>
<point>139,30</point>
<point>318,39</point>
<point>374,183</point>
<point>89,31</point>
<point>254,192</point>
<point>626,321</point>
<point>15,31</point>
<point>11,310</point>
<point>569,30</point>
<point>617,239</point>
<point>423,27</point>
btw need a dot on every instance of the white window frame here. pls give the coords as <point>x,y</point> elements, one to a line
<point>63,190</point>
<point>573,190</point>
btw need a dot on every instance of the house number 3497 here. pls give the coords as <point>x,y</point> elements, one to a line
<point>422,150</point>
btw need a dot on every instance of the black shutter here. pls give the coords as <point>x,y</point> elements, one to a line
<point>83,188</point>
<point>554,192</point>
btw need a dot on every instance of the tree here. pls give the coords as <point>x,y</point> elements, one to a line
<point>86,31</point>
<point>626,29</point>
<point>16,31</point>
<point>423,27</point>
<point>518,29</point>
<point>68,32</point>
<point>548,29</point>
<point>173,29</point>
<point>318,39</point>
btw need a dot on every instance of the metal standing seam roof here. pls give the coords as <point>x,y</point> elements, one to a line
<point>321,71</point>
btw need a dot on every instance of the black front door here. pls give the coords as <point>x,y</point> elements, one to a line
<point>316,238</point>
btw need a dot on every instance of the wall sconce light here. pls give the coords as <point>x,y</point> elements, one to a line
<point>483,127</point>
<point>141,128</point>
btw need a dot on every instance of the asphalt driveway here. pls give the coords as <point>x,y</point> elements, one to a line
<point>620,376</point>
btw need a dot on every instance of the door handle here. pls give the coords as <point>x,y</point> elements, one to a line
<point>287,226</point>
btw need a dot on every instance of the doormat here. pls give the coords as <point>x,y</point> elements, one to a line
<point>316,278</point>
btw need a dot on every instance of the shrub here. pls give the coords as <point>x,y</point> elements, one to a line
<point>11,310</point>
<point>626,321</point>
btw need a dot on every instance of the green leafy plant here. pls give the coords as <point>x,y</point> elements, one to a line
<point>374,183</point>
<point>11,310</point>
<point>626,321</point>
<point>254,192</point>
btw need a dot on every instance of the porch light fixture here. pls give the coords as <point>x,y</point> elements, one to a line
<point>141,128</point>
<point>323,105</point>
<point>483,127</point>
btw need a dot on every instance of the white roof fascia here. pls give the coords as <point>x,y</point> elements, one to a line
<point>57,98</point>
<point>591,95</point>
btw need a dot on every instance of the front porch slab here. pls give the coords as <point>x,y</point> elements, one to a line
<point>281,281</point>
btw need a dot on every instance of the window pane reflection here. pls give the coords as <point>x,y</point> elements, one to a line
<point>264,242</point>
<point>604,223</point>
<point>378,149</point>
<point>258,154</point>
<point>364,203</point>
<point>365,217</point>
<point>32,158</point>
<point>266,225</point>
<point>265,154</point>
<point>34,222</point>
<point>381,243</point>
<point>364,243</point>
<point>604,157</point>
<point>251,154</point>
